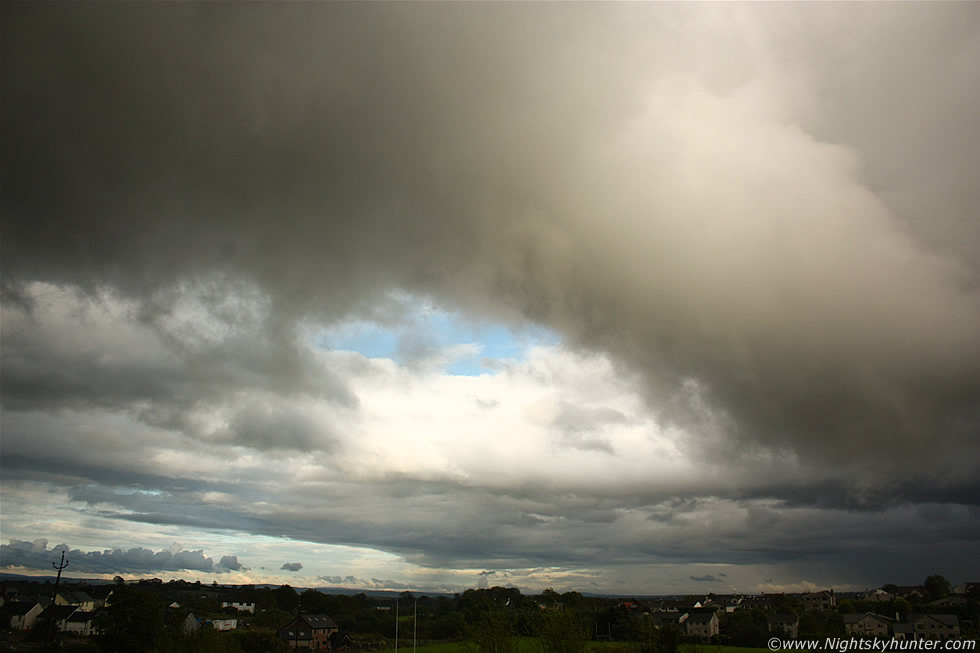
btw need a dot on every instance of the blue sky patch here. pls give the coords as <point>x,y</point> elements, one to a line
<point>428,333</point>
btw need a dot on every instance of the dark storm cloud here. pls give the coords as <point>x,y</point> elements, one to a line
<point>488,530</point>
<point>773,224</point>
<point>852,494</point>
<point>760,517</point>
<point>706,533</point>
<point>291,566</point>
<point>446,149</point>
<point>262,427</point>
<point>36,555</point>
<point>231,563</point>
<point>55,356</point>
<point>91,481</point>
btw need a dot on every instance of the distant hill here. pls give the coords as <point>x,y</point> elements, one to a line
<point>51,579</point>
<point>346,591</point>
<point>392,594</point>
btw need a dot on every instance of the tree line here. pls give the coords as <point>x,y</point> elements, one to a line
<point>149,616</point>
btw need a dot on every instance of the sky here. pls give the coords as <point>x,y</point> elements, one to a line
<point>627,298</point>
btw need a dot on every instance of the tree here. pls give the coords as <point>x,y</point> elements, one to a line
<point>572,600</point>
<point>562,631</point>
<point>903,607</point>
<point>315,601</point>
<point>936,587</point>
<point>645,634</point>
<point>273,618</point>
<point>669,640</point>
<point>285,598</point>
<point>492,632</point>
<point>747,628</point>
<point>132,622</point>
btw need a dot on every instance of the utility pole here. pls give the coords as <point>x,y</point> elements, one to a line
<point>396,625</point>
<point>57,580</point>
<point>415,623</point>
<point>54,597</point>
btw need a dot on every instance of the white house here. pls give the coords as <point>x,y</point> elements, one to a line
<point>80,600</point>
<point>81,623</point>
<point>241,606</point>
<point>190,624</point>
<point>23,614</point>
<point>704,625</point>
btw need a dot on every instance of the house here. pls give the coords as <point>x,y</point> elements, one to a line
<point>80,600</point>
<point>101,595</point>
<point>950,602</point>
<point>309,631</point>
<point>661,619</point>
<point>81,623</point>
<point>674,605</point>
<point>936,626</point>
<point>241,606</point>
<point>868,623</point>
<point>224,624</point>
<point>787,624</point>
<point>632,605</point>
<point>729,603</point>
<point>340,641</point>
<point>910,592</point>
<point>59,614</point>
<point>8,594</point>
<point>878,595</point>
<point>190,624</point>
<point>814,601</point>
<point>23,614</point>
<point>702,624</point>
<point>750,602</point>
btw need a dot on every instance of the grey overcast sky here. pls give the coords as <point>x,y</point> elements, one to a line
<point>614,297</point>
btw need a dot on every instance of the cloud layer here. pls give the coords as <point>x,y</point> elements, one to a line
<point>752,227</point>
<point>35,556</point>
